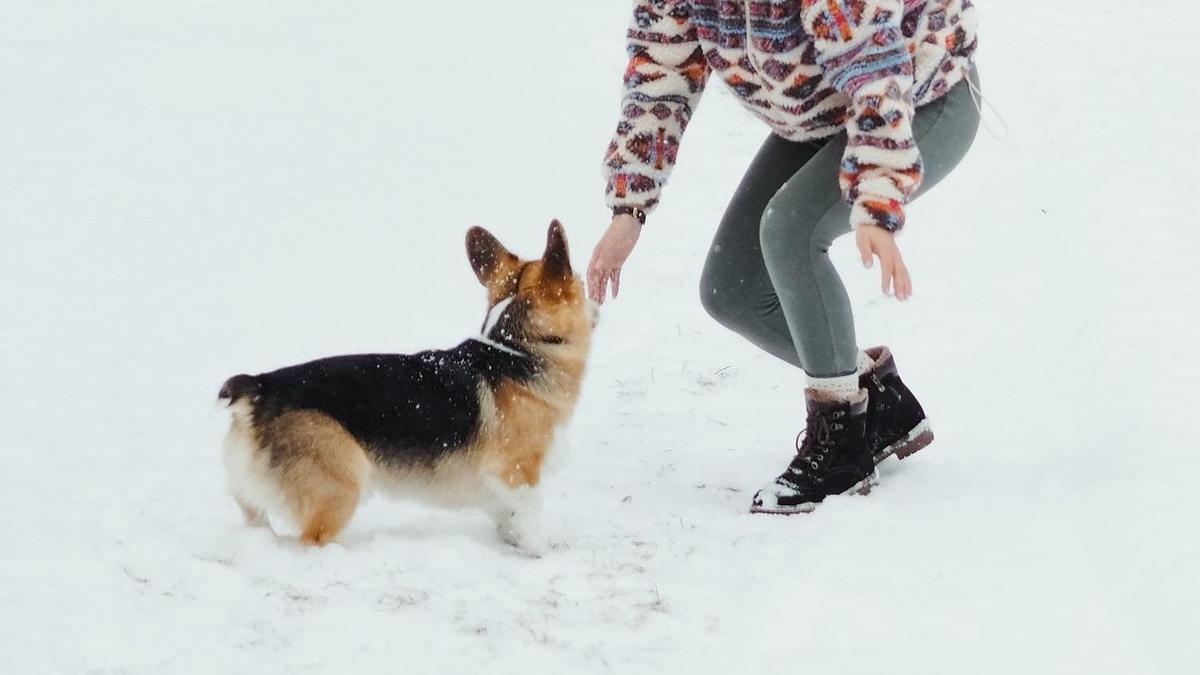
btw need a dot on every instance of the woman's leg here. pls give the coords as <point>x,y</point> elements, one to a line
<point>847,433</point>
<point>735,287</point>
<point>804,217</point>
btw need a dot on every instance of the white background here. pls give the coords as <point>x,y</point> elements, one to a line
<point>196,188</point>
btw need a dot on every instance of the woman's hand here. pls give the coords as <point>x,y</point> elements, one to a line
<point>878,242</point>
<point>609,256</point>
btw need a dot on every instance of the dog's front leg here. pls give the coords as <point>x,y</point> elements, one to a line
<point>518,515</point>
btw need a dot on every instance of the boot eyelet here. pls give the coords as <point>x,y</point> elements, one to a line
<point>814,465</point>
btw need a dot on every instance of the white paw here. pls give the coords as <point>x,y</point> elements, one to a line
<point>531,544</point>
<point>507,534</point>
<point>534,546</point>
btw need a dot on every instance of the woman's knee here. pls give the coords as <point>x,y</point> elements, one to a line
<point>735,289</point>
<point>718,291</point>
<point>792,234</point>
<point>797,233</point>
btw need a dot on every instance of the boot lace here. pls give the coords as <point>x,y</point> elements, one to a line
<point>814,443</point>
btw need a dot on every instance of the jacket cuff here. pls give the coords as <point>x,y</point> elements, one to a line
<point>868,210</point>
<point>632,189</point>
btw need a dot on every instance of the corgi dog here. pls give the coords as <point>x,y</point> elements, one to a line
<point>468,427</point>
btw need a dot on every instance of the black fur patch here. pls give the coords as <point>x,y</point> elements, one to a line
<point>511,327</point>
<point>403,408</point>
<point>237,387</point>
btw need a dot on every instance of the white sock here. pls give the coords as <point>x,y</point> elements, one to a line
<point>865,362</point>
<point>842,388</point>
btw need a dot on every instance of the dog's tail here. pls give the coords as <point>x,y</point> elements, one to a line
<point>238,387</point>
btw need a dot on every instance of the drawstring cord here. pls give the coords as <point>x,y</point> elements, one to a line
<point>980,101</point>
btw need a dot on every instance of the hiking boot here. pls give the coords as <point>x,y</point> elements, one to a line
<point>896,423</point>
<point>833,458</point>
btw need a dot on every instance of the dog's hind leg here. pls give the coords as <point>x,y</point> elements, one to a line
<point>254,517</point>
<point>247,469</point>
<point>325,520</point>
<point>323,471</point>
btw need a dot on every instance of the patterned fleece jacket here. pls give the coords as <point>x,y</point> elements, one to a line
<point>808,68</point>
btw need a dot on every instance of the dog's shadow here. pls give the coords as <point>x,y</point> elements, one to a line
<point>382,527</point>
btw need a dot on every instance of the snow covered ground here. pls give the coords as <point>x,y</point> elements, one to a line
<point>203,187</point>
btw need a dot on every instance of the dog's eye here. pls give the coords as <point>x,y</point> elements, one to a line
<point>553,339</point>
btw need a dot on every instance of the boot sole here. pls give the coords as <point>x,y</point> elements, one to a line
<point>862,487</point>
<point>915,440</point>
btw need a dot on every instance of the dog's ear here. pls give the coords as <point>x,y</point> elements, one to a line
<point>556,261</point>
<point>490,260</point>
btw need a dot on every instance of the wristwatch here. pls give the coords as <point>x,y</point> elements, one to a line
<point>630,210</point>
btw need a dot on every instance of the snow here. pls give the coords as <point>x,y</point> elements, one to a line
<point>199,188</point>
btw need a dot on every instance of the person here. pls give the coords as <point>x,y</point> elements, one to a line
<point>870,103</point>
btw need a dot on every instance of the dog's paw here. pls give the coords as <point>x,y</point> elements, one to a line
<point>532,546</point>
<point>507,534</point>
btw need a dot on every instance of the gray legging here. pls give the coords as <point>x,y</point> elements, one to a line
<point>768,276</point>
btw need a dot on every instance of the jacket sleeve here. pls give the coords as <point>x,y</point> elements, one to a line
<point>663,83</point>
<point>863,53</point>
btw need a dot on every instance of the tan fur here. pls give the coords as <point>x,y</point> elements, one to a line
<point>502,284</point>
<point>519,438</point>
<point>322,471</point>
<point>528,415</point>
<point>304,462</point>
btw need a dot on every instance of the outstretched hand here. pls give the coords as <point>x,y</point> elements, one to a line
<point>876,242</point>
<point>609,257</point>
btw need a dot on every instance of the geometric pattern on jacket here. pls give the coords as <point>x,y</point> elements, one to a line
<point>807,68</point>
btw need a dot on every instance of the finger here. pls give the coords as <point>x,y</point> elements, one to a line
<point>602,288</point>
<point>903,281</point>
<point>887,268</point>
<point>616,282</point>
<point>593,281</point>
<point>864,249</point>
<point>597,284</point>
